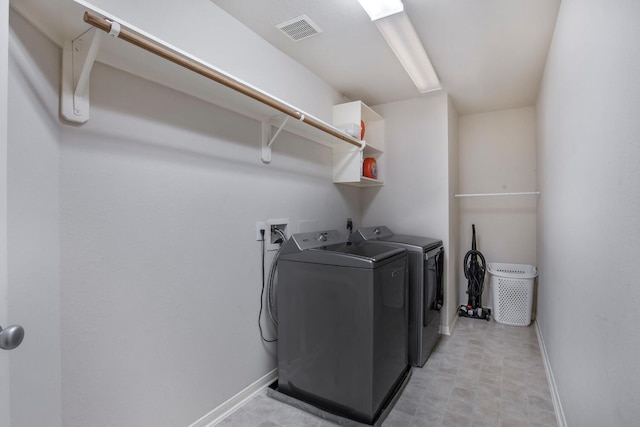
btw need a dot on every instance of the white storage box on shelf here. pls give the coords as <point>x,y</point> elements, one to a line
<point>512,287</point>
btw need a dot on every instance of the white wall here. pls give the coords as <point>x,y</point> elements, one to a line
<point>159,267</point>
<point>414,199</point>
<point>33,224</point>
<point>588,229</point>
<point>453,272</point>
<point>498,155</point>
<point>5,419</point>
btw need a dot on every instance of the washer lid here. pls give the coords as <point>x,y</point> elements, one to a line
<point>383,234</point>
<point>426,243</point>
<point>361,255</point>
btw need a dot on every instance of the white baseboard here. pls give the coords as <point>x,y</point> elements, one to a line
<point>555,397</point>
<point>228,407</point>
<point>446,330</point>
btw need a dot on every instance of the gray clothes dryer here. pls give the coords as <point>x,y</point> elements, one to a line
<point>426,257</point>
<point>342,323</point>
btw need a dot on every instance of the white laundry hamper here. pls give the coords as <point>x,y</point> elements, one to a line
<point>512,287</point>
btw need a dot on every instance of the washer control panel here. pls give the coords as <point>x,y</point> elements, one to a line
<point>318,239</point>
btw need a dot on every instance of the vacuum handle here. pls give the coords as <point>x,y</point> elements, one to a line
<point>473,239</point>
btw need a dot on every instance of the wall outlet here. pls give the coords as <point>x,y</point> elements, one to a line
<point>261,225</point>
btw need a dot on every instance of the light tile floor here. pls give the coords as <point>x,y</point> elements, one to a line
<point>484,374</point>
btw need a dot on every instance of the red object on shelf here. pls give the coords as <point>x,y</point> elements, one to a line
<point>361,129</point>
<point>369,168</point>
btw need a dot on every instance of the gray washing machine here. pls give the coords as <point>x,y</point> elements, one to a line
<point>342,323</point>
<point>426,262</point>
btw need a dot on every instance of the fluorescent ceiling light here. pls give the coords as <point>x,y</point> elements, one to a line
<point>377,9</point>
<point>403,40</point>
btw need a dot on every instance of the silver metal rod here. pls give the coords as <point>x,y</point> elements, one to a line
<point>524,193</point>
<point>226,80</point>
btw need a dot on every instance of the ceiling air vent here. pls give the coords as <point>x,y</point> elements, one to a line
<point>299,28</point>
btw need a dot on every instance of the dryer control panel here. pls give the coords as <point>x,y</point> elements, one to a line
<point>372,233</point>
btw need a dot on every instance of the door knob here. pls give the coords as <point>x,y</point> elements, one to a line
<point>11,337</point>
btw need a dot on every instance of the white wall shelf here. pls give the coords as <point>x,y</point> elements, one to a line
<point>368,182</point>
<point>347,161</point>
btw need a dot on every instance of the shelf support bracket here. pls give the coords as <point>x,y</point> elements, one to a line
<point>78,57</point>
<point>268,139</point>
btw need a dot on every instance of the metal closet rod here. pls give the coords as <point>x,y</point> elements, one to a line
<point>133,38</point>
<point>524,193</point>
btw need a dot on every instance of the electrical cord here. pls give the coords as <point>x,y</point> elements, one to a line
<point>271,291</point>
<point>262,293</point>
<point>271,284</point>
<point>281,233</point>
